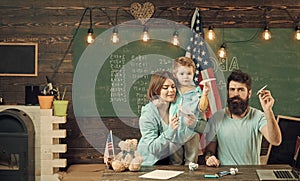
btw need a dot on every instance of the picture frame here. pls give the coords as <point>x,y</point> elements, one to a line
<point>18,59</point>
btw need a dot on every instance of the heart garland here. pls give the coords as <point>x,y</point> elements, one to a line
<point>142,12</point>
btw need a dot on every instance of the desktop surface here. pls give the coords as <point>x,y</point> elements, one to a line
<point>246,172</point>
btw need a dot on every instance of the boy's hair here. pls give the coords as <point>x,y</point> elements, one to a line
<point>156,83</point>
<point>241,77</point>
<point>183,61</point>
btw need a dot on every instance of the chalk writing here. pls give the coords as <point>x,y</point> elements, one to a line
<point>225,66</point>
<point>118,89</point>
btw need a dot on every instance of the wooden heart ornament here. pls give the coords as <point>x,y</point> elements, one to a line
<point>142,12</point>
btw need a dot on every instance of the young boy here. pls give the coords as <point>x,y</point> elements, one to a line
<point>191,103</point>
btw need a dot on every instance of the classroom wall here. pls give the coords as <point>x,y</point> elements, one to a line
<point>51,24</point>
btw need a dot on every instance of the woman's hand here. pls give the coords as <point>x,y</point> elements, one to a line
<point>212,161</point>
<point>189,120</point>
<point>174,123</point>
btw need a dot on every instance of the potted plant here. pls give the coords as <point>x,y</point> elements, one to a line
<point>60,105</point>
<point>46,95</point>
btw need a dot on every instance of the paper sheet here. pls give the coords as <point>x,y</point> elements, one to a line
<point>161,174</point>
<point>207,80</point>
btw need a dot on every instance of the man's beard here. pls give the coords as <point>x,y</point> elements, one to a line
<point>236,105</point>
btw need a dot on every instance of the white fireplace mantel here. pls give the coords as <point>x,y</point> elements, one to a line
<point>47,145</point>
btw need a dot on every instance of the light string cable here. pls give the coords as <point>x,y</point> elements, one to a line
<point>70,44</point>
<point>107,16</point>
<point>254,36</point>
<point>289,14</point>
<point>295,22</point>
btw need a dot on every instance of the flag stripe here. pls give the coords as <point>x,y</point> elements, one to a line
<point>109,148</point>
<point>213,96</point>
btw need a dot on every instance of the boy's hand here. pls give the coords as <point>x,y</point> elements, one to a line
<point>206,89</point>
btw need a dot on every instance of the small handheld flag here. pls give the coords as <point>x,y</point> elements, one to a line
<point>109,153</point>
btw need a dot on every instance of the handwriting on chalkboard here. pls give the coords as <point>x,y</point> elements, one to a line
<point>129,75</point>
<point>123,77</point>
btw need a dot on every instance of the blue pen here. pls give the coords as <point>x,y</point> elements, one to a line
<point>223,173</point>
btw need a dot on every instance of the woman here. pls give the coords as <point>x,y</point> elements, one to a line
<point>157,129</point>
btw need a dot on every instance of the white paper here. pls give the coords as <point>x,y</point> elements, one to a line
<point>161,174</point>
<point>207,80</point>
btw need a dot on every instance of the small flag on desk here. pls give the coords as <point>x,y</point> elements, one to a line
<point>198,51</point>
<point>109,153</point>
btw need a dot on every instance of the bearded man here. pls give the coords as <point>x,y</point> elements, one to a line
<point>236,131</point>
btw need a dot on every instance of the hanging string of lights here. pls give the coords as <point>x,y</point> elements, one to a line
<point>174,40</point>
<point>210,34</point>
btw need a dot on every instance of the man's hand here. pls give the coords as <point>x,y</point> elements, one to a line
<point>212,161</point>
<point>271,131</point>
<point>266,100</point>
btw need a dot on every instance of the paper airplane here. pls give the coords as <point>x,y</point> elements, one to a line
<point>207,80</point>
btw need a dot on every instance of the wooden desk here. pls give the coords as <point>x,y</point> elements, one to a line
<point>245,172</point>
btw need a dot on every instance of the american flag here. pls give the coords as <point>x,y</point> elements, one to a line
<point>198,51</point>
<point>109,153</point>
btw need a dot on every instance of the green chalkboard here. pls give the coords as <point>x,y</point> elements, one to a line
<point>111,86</point>
<point>275,62</point>
<point>122,81</point>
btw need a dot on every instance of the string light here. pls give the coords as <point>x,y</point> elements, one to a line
<point>211,35</point>
<point>175,38</point>
<point>297,33</point>
<point>90,35</point>
<point>115,36</point>
<point>145,35</point>
<point>266,35</point>
<point>222,51</point>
